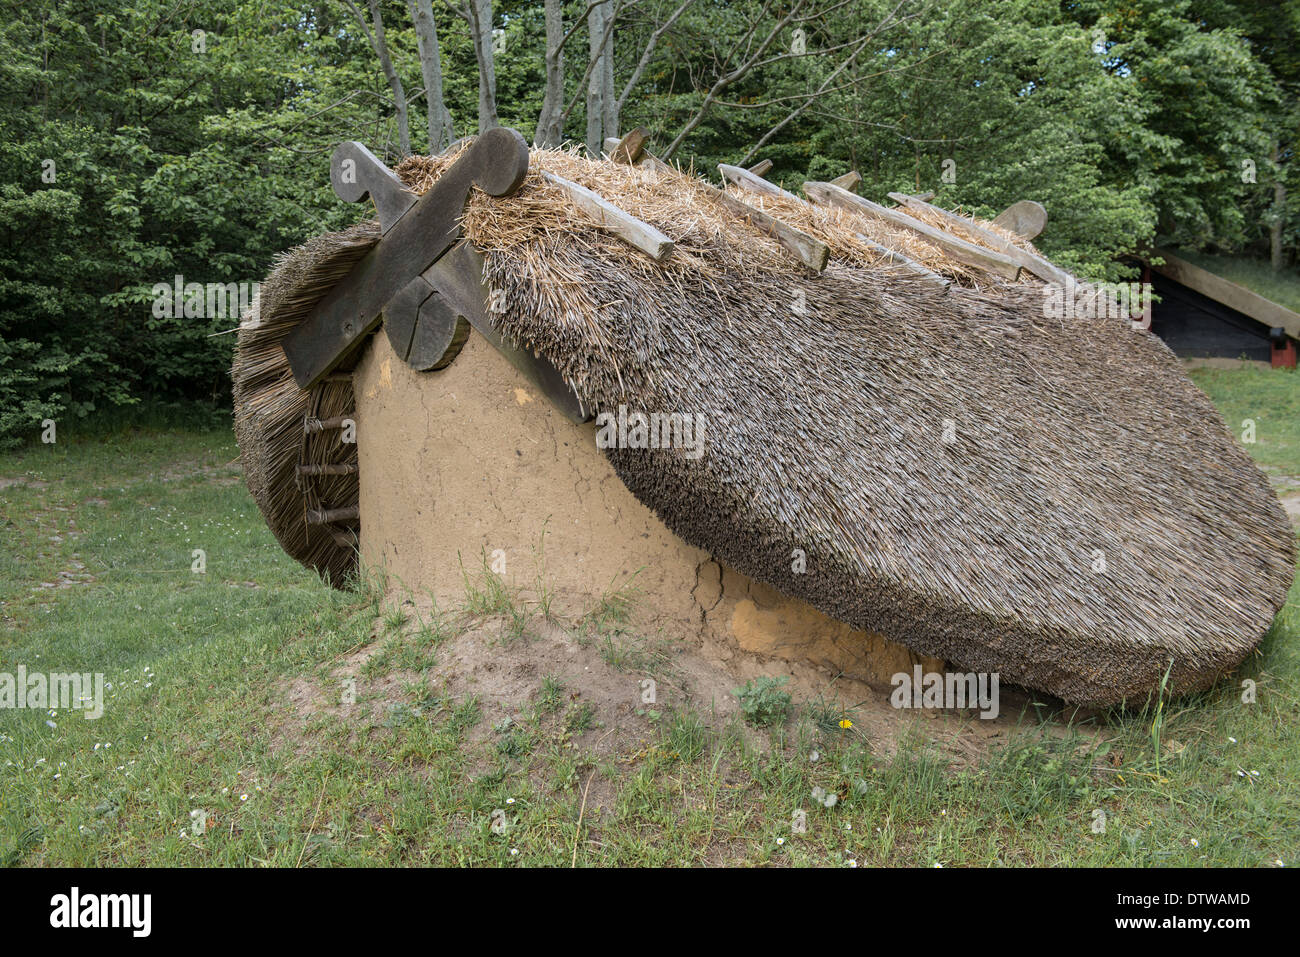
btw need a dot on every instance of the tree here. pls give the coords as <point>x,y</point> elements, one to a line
<point>602,119</point>
<point>441,128</point>
<point>550,127</point>
<point>478,15</point>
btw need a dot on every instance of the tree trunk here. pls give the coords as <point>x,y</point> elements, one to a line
<point>441,131</point>
<point>394,81</point>
<point>550,126</point>
<point>608,98</point>
<point>481,28</point>
<point>1275,228</point>
<point>600,39</point>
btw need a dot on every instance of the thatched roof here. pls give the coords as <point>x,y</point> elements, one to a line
<point>827,397</point>
<point>270,408</point>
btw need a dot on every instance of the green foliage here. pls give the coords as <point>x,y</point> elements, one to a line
<point>1129,123</point>
<point>134,149</point>
<point>762,701</point>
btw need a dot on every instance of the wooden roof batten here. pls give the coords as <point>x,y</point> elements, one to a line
<point>809,250</point>
<point>828,194</point>
<point>624,225</point>
<point>1037,265</point>
<point>746,179</point>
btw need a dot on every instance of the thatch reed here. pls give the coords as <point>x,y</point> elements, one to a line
<point>270,409</point>
<point>955,468</point>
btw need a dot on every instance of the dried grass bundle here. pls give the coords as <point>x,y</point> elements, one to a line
<point>270,409</point>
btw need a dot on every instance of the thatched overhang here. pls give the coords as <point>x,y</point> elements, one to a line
<point>947,463</point>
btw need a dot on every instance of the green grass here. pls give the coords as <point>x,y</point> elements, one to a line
<point>198,719</point>
<point>1268,398</point>
<point>1282,287</point>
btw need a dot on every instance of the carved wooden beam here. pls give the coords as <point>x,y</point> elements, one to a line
<point>458,278</point>
<point>495,162</point>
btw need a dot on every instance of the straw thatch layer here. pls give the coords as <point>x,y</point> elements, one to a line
<point>1074,442</point>
<point>1050,499</point>
<point>270,409</point>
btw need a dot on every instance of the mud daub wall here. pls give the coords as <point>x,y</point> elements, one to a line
<point>470,464</point>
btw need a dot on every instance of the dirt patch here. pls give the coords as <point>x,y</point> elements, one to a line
<point>1288,492</point>
<point>75,574</point>
<point>1220,362</point>
<point>228,474</point>
<point>1291,504</point>
<point>22,482</point>
<point>617,684</point>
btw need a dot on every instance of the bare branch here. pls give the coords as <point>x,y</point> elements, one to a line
<point>649,49</point>
<point>380,45</point>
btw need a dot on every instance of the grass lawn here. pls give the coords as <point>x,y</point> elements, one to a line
<point>1267,399</point>
<point>97,544</point>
